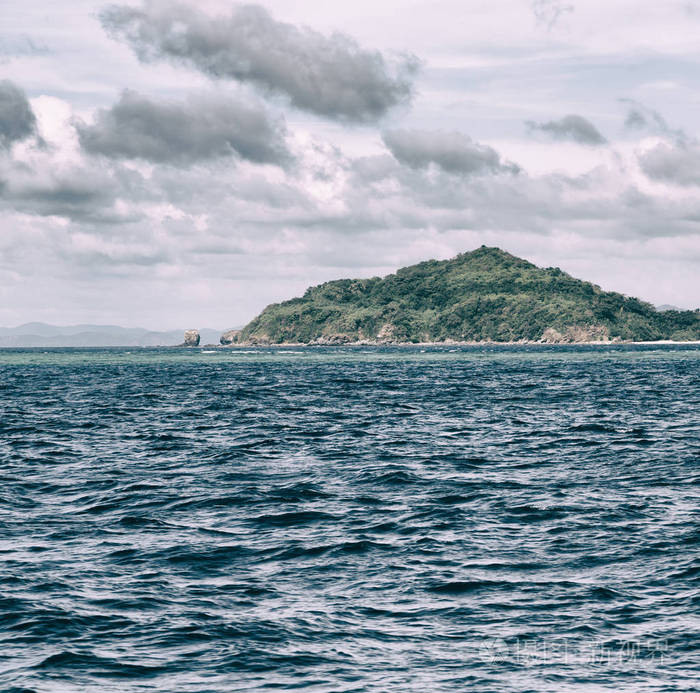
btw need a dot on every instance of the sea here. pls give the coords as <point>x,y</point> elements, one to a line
<point>485,518</point>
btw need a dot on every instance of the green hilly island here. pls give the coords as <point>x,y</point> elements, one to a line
<point>486,295</point>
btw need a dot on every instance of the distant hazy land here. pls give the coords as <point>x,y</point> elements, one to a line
<point>38,334</point>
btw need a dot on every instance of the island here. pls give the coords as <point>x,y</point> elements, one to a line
<point>487,295</point>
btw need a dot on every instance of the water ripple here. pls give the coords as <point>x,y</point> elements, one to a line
<point>342,519</point>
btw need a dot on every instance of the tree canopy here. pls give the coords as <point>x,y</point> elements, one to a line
<point>484,295</point>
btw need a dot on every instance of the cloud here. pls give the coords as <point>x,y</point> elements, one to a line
<point>677,162</point>
<point>137,127</point>
<point>77,192</point>
<point>676,159</point>
<point>549,12</point>
<point>17,120</point>
<point>640,117</point>
<point>331,76</point>
<point>571,127</point>
<point>21,45</point>
<point>100,223</point>
<point>453,152</point>
<point>636,120</point>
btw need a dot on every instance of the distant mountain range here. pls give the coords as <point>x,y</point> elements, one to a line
<point>39,334</point>
<point>486,295</point>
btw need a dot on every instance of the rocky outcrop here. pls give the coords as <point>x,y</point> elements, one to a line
<point>576,334</point>
<point>332,339</point>
<point>257,340</point>
<point>229,337</point>
<point>191,338</point>
<point>387,333</point>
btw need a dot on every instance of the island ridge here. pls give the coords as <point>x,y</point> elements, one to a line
<point>486,295</point>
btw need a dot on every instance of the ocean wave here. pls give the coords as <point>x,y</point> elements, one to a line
<point>357,519</point>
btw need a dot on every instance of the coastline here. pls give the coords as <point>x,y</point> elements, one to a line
<point>248,345</point>
<point>244,345</point>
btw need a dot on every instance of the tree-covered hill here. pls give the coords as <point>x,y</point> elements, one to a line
<point>484,295</point>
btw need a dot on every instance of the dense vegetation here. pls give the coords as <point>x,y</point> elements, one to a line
<point>484,295</point>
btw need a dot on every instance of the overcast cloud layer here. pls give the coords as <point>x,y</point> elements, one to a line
<point>182,164</point>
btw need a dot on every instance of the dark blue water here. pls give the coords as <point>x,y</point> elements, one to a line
<point>501,519</point>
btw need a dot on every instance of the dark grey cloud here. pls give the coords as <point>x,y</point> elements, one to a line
<point>137,127</point>
<point>70,201</point>
<point>640,117</point>
<point>677,162</point>
<point>453,152</point>
<point>17,120</point>
<point>81,192</point>
<point>635,120</point>
<point>329,76</point>
<point>571,127</point>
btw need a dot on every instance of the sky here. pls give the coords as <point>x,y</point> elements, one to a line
<point>170,164</point>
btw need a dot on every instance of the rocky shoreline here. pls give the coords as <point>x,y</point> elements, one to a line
<point>551,337</point>
<point>576,334</point>
<point>522,342</point>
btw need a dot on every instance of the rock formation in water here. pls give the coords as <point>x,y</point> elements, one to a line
<point>229,337</point>
<point>484,295</point>
<point>191,338</point>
